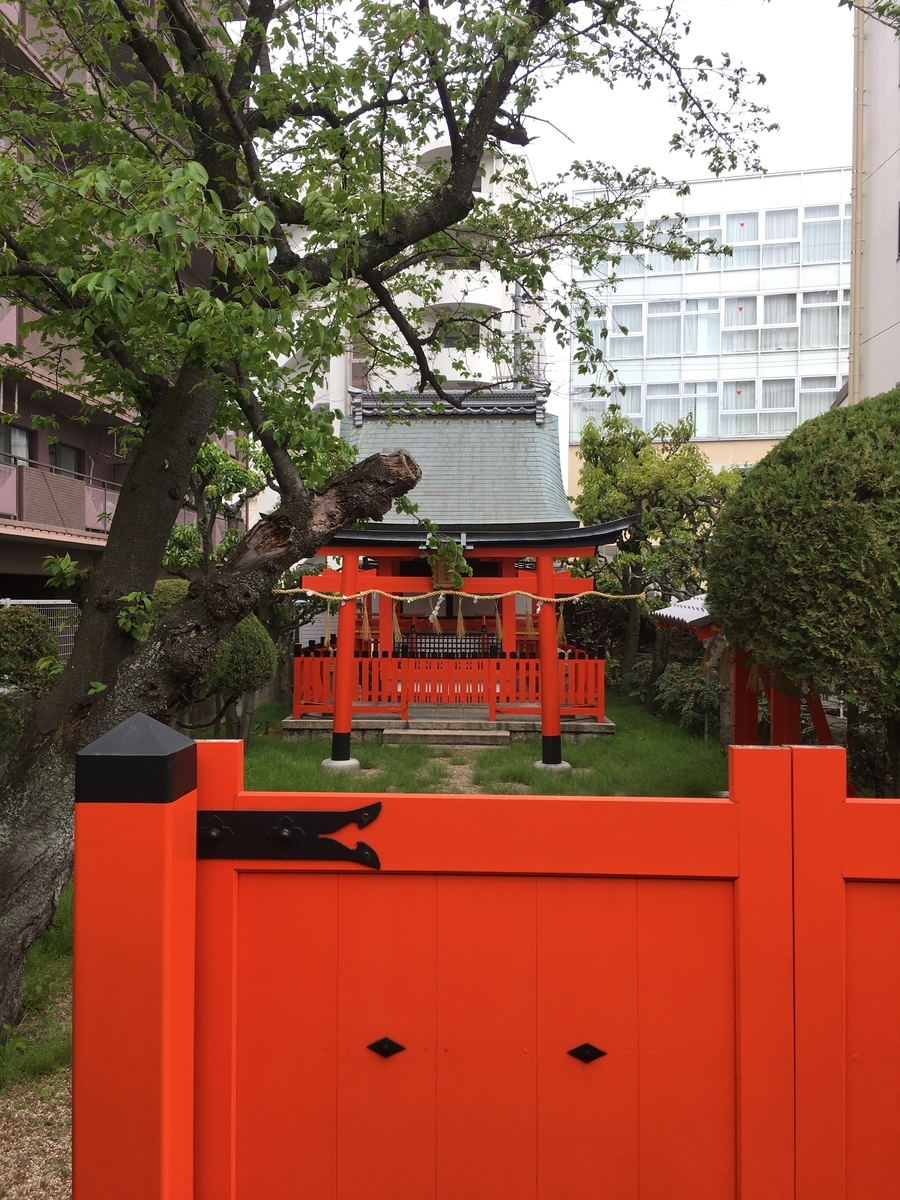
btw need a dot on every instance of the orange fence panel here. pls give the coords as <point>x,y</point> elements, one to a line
<point>531,998</point>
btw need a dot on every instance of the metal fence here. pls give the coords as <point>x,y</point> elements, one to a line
<point>62,617</point>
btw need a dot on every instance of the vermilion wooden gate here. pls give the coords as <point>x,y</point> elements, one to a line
<point>231,1050</point>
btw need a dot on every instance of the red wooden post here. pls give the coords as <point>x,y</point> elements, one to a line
<point>385,625</point>
<point>784,718</point>
<point>820,998</point>
<point>508,606</point>
<point>133,1029</point>
<point>824,735</point>
<point>551,732</point>
<point>744,702</point>
<point>344,672</point>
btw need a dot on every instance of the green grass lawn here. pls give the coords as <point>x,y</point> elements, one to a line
<point>646,757</point>
<point>42,1042</point>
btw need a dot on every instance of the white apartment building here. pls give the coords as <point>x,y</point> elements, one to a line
<point>875,284</point>
<point>750,344</point>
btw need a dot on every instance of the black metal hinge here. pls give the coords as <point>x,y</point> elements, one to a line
<point>293,835</point>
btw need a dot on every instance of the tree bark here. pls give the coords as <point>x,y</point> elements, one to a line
<point>659,664</point>
<point>36,797</point>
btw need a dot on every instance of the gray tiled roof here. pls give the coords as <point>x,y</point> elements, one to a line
<point>477,471</point>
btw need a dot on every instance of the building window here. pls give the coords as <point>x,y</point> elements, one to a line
<point>701,401</point>
<point>662,404</point>
<point>823,234</point>
<point>66,460</point>
<point>820,320</point>
<point>742,227</point>
<point>15,445</point>
<point>817,394</point>
<point>782,224</point>
<point>625,340</point>
<point>700,229</point>
<point>664,328</point>
<point>701,327</point>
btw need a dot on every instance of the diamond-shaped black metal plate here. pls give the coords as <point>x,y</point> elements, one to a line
<point>387,1046</point>
<point>587,1053</point>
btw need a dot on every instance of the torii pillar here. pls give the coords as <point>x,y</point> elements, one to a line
<point>551,732</point>
<point>344,671</point>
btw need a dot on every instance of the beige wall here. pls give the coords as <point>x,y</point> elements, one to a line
<point>875,281</point>
<point>741,453</point>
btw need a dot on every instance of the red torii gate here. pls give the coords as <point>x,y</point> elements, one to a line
<point>503,550</point>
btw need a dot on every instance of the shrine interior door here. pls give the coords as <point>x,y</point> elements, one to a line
<point>500,934</point>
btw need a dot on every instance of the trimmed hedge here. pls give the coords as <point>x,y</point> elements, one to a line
<point>804,564</point>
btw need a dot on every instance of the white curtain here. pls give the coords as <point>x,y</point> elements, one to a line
<point>819,326</point>
<point>662,412</point>
<point>813,404</point>
<point>777,422</point>
<point>662,264</point>
<point>780,310</point>
<point>821,241</point>
<point>626,318</point>
<point>737,425</point>
<point>845,242</point>
<point>778,393</point>
<point>781,224</point>
<point>845,324</point>
<point>584,411</point>
<point>663,335</point>
<point>818,212</point>
<point>740,310</point>
<point>630,403</point>
<point>741,227</point>
<point>737,394</point>
<point>701,333</point>
<point>735,341</point>
<point>742,257</point>
<point>631,264</point>
<point>780,256</point>
<point>625,347</point>
<point>782,338</point>
<point>706,416</point>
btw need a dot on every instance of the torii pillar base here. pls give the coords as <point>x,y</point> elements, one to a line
<point>558,767</point>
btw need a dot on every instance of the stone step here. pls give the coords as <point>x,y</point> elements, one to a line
<point>446,737</point>
<point>450,723</point>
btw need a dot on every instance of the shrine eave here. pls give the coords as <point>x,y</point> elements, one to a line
<point>576,541</point>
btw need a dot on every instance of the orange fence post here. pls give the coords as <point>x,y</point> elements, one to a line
<point>759,781</point>
<point>820,774</point>
<point>133,1027</point>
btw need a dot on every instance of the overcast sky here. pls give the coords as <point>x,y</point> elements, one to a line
<point>803,47</point>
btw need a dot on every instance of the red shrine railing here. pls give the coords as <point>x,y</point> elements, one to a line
<point>504,685</point>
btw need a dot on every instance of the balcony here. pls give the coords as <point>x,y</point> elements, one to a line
<point>48,504</point>
<point>40,496</point>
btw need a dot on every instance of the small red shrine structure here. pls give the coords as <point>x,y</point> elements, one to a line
<point>491,480</point>
<point>747,679</point>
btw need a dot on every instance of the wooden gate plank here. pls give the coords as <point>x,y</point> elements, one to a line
<point>873,1041</point>
<point>386,988</point>
<point>587,992</point>
<point>486,1039</point>
<point>286,1089</point>
<point>687,1039</point>
<point>820,980</point>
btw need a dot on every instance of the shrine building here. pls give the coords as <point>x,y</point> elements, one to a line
<point>406,636</point>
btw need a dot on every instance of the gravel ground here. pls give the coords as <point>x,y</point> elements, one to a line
<point>36,1139</point>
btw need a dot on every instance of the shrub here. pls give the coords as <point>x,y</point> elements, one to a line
<point>247,660</point>
<point>25,638</point>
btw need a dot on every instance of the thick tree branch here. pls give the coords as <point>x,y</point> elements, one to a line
<point>258,121</point>
<point>289,481</point>
<point>412,339</point>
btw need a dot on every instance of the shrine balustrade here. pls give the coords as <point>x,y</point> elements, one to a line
<point>390,683</point>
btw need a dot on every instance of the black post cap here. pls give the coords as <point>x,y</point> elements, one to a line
<point>140,761</point>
